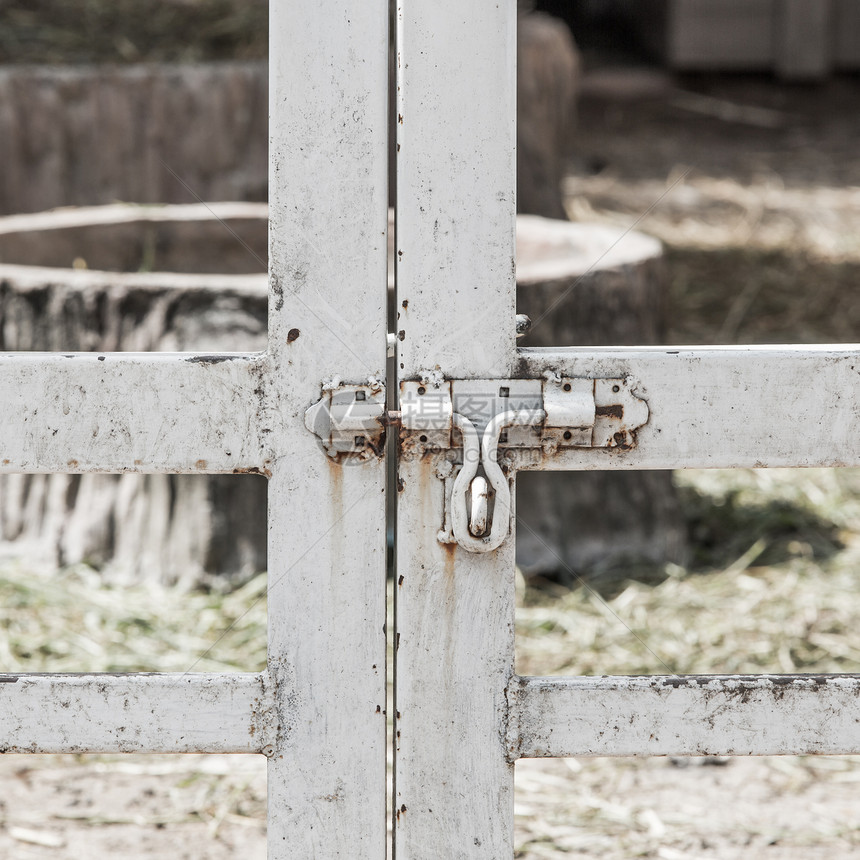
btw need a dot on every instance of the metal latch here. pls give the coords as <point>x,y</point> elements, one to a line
<point>350,419</point>
<point>481,416</point>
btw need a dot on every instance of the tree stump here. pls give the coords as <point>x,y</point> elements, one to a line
<point>188,528</point>
<point>548,83</point>
<point>592,285</point>
<point>172,528</point>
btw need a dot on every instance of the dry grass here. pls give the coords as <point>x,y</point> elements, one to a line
<point>69,621</point>
<point>778,553</point>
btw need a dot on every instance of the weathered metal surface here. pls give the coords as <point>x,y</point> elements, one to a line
<point>126,412</point>
<point>555,412</point>
<point>455,298</point>
<point>490,415</point>
<point>328,224</point>
<point>456,157</point>
<point>350,419</point>
<point>167,713</point>
<point>721,407</point>
<point>684,715</point>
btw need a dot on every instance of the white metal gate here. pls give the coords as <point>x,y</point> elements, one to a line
<point>462,717</point>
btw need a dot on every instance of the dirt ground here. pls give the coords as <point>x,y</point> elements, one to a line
<point>755,188</point>
<point>214,807</point>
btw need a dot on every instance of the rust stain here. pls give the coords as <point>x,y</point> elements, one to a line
<point>613,411</point>
<point>253,470</point>
<point>336,473</point>
<point>806,682</point>
<point>624,441</point>
<point>450,550</point>
<point>73,464</point>
<point>200,464</point>
<point>405,304</point>
<point>293,334</point>
<point>6,462</point>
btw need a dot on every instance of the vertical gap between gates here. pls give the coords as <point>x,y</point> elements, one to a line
<point>392,442</point>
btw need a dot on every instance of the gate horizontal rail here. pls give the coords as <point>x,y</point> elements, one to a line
<point>127,412</point>
<point>706,409</point>
<point>684,715</point>
<point>156,713</point>
<point>722,407</point>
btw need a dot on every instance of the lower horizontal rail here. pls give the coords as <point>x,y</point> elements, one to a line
<point>155,713</point>
<point>684,715</point>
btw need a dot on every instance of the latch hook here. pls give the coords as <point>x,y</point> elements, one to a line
<point>488,456</point>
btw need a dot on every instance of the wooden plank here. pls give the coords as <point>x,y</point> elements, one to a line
<point>454,611</point>
<point>685,715</point>
<point>722,407</point>
<point>168,713</point>
<point>327,319</point>
<point>128,412</point>
<point>804,39</point>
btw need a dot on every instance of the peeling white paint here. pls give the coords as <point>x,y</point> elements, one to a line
<point>454,640</point>
<point>156,713</point>
<point>685,715</point>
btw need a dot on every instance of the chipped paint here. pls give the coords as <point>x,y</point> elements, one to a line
<point>136,712</point>
<point>685,715</point>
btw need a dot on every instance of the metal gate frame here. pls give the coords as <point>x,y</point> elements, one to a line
<point>462,716</point>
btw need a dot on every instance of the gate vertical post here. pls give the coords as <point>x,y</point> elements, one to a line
<point>327,312</point>
<point>455,246</point>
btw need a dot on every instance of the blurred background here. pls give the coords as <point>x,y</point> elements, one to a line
<point>726,129</point>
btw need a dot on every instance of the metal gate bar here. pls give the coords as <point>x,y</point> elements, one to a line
<point>454,612</point>
<point>158,713</point>
<point>128,412</point>
<point>685,715</point>
<point>724,407</point>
